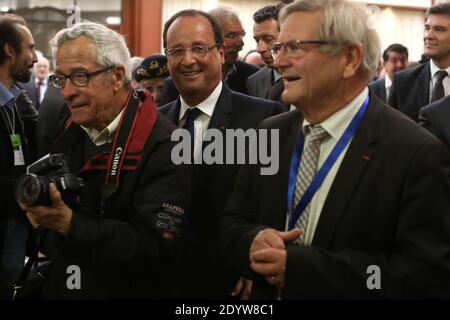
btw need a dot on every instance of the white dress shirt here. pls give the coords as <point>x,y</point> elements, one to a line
<point>201,123</point>
<point>387,85</point>
<point>446,82</point>
<point>335,125</point>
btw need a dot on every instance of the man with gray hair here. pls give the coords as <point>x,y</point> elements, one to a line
<point>234,71</point>
<point>360,206</point>
<point>116,237</point>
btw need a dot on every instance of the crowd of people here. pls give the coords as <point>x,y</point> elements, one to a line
<point>88,180</point>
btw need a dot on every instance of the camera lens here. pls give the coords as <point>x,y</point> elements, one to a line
<point>28,189</point>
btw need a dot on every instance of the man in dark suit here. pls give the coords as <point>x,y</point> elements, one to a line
<point>415,88</point>
<point>234,71</point>
<point>267,82</point>
<point>395,58</point>
<point>193,43</point>
<point>17,56</point>
<point>53,114</point>
<point>369,226</point>
<point>38,84</point>
<point>436,119</point>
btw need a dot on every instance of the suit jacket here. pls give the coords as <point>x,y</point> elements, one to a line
<point>30,88</point>
<point>207,276</point>
<point>410,90</point>
<point>53,113</point>
<point>378,211</point>
<point>260,85</point>
<point>436,119</point>
<point>237,80</point>
<point>118,243</point>
<point>379,88</point>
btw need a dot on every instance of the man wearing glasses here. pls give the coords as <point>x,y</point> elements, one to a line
<point>194,47</point>
<point>234,71</point>
<point>360,206</point>
<point>121,231</point>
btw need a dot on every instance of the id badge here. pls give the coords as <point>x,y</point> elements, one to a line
<point>17,148</point>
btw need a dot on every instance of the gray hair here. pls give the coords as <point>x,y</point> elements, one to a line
<point>344,23</point>
<point>224,12</point>
<point>111,47</point>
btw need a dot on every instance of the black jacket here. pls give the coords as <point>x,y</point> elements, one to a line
<point>388,206</point>
<point>120,246</point>
<point>206,275</point>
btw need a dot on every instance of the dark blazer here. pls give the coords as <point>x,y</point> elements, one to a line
<point>237,80</point>
<point>436,119</point>
<point>260,85</point>
<point>379,211</point>
<point>379,88</point>
<point>410,90</point>
<point>30,89</point>
<point>121,249</point>
<point>53,113</point>
<point>207,276</point>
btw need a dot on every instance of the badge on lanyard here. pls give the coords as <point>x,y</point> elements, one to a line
<point>17,147</point>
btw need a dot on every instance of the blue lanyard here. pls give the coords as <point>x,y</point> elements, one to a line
<point>319,177</point>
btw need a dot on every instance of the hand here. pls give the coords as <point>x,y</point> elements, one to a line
<point>268,254</point>
<point>243,287</point>
<point>57,217</point>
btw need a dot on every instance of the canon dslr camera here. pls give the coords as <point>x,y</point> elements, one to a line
<point>32,188</point>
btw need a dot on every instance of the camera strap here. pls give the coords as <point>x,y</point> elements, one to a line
<point>120,145</point>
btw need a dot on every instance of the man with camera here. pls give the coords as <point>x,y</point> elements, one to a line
<point>17,56</point>
<point>115,200</point>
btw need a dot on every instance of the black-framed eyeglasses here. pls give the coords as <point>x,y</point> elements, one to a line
<point>233,35</point>
<point>295,48</point>
<point>197,51</point>
<point>78,78</point>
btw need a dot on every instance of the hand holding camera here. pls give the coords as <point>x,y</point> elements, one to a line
<point>44,191</point>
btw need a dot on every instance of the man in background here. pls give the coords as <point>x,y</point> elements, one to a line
<point>395,58</point>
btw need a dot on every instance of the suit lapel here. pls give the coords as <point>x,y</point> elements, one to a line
<point>347,178</point>
<point>173,112</point>
<point>423,80</point>
<point>221,116</point>
<point>383,95</point>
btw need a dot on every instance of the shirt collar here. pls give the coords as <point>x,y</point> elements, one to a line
<point>206,106</point>
<point>276,75</point>
<point>336,124</point>
<point>434,68</point>
<point>107,134</point>
<point>8,97</point>
<point>387,81</point>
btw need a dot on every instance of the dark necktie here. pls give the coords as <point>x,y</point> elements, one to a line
<point>38,92</point>
<point>438,90</point>
<point>190,116</point>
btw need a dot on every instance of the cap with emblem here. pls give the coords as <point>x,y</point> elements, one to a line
<point>154,66</point>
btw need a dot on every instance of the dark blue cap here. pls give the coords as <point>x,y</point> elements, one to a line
<point>154,66</point>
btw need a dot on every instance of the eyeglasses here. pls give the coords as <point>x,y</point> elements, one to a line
<point>233,35</point>
<point>295,48</point>
<point>78,78</point>
<point>197,51</point>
